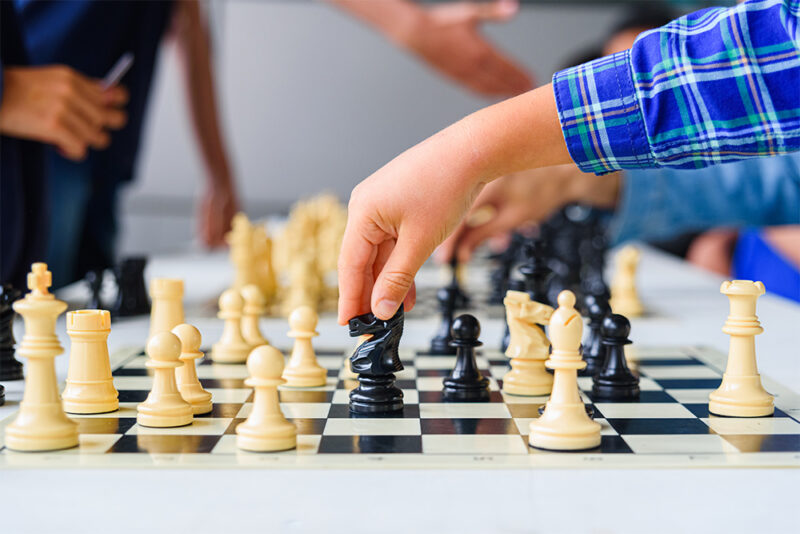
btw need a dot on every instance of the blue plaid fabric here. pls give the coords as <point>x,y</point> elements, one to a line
<point>718,85</point>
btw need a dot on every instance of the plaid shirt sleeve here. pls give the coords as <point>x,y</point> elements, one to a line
<point>718,85</point>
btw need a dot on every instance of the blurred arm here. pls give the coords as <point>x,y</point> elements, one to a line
<point>219,203</point>
<point>447,37</point>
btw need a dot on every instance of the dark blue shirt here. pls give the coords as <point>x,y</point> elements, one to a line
<point>90,36</point>
<point>22,191</point>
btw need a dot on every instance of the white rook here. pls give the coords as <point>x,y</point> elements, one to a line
<point>90,387</point>
<point>741,393</point>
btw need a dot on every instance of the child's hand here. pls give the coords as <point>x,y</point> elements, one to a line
<point>396,219</point>
<point>401,213</point>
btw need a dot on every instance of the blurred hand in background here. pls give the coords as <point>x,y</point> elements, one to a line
<point>526,197</point>
<point>59,106</point>
<point>448,38</point>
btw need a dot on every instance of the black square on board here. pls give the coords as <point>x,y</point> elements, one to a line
<point>164,444</point>
<point>370,444</point>
<point>659,426</point>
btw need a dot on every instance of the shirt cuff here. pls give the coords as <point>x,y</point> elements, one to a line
<point>600,115</point>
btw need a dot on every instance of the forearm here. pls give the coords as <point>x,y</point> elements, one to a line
<point>394,18</point>
<point>193,44</point>
<point>514,135</point>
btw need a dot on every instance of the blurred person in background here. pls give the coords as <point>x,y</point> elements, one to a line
<point>85,178</point>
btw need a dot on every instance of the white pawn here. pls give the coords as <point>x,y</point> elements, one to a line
<point>266,429</point>
<point>231,347</point>
<point>166,311</point>
<point>164,406</point>
<point>741,393</point>
<point>528,346</point>
<point>564,425</point>
<point>255,305</point>
<point>41,424</point>
<point>303,370</point>
<point>624,296</point>
<point>186,375</point>
<point>90,387</point>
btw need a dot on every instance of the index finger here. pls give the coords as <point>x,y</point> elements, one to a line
<point>355,274</point>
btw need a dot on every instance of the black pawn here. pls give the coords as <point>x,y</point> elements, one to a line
<point>615,381</point>
<point>440,344</point>
<point>10,368</point>
<point>465,383</point>
<point>535,270</point>
<point>594,352</point>
<point>132,296</point>
<point>515,285</point>
<point>94,279</point>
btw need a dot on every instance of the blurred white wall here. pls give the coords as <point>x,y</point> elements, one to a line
<point>312,100</point>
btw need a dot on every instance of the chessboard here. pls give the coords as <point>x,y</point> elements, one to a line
<point>669,426</point>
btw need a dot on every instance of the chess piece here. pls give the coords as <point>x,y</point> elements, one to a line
<point>440,344</point>
<point>266,429</point>
<point>164,406</point>
<point>167,310</point>
<point>41,424</point>
<point>240,239</point>
<point>501,274</point>
<point>255,306</point>
<point>529,347</point>
<point>457,269</point>
<point>594,352</point>
<point>614,381</point>
<point>10,368</point>
<point>94,279</point>
<point>131,290</point>
<point>513,285</point>
<point>741,393</point>
<point>90,387</point>
<point>535,270</point>
<point>465,383</point>
<point>2,395</point>
<point>376,360</point>
<point>564,424</point>
<point>262,257</point>
<point>624,297</point>
<point>303,370</point>
<point>231,347</point>
<point>186,375</point>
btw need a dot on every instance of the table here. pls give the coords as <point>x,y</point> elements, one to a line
<point>687,309</point>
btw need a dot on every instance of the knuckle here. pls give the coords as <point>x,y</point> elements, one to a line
<point>398,281</point>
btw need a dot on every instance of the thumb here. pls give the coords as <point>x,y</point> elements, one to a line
<point>496,11</point>
<point>397,276</point>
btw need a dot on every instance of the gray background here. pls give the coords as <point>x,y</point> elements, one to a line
<point>313,100</point>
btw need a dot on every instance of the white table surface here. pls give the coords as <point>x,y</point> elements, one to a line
<point>685,308</point>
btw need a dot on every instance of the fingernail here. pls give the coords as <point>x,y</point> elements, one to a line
<point>385,308</point>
